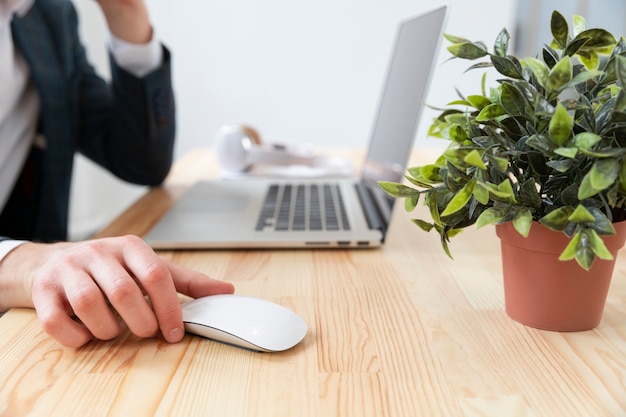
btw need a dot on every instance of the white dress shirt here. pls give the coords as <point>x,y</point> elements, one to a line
<point>19,103</point>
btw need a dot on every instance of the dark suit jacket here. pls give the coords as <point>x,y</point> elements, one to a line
<point>127,127</point>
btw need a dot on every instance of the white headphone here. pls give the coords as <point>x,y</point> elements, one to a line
<point>239,147</point>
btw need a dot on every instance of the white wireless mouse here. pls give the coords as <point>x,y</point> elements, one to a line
<point>243,321</point>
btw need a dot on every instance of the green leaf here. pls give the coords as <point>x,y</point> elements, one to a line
<point>483,81</point>
<point>474,159</point>
<point>500,164</point>
<point>411,202</point>
<point>590,60</point>
<point>455,133</point>
<point>539,69</point>
<point>598,246</point>
<point>620,107</point>
<point>495,191</point>
<point>580,24</point>
<point>558,219</point>
<point>478,102</point>
<point>481,193</point>
<point>501,45</point>
<point>489,216</point>
<point>569,252</point>
<point>584,252</point>
<point>513,101</point>
<point>561,125</point>
<point>602,224</point>
<point>468,50</point>
<point>490,112</point>
<point>455,39</point>
<point>620,70</point>
<point>431,201</point>
<point>458,118</point>
<point>528,193</point>
<point>430,173</point>
<point>585,76</point>
<point>586,140</point>
<point>444,245</point>
<point>522,221</point>
<point>459,103</point>
<point>561,74</point>
<point>597,39</point>
<point>460,199</point>
<point>559,29</point>
<point>576,47</point>
<point>397,190</point>
<point>507,66</point>
<point>622,174</point>
<point>566,152</point>
<point>506,188</point>
<point>456,156</point>
<point>562,165</point>
<point>604,173</point>
<point>541,143</point>
<point>581,215</point>
<point>586,190</point>
<point>425,226</point>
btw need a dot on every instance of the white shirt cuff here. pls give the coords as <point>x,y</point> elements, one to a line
<point>138,59</point>
<point>7,246</point>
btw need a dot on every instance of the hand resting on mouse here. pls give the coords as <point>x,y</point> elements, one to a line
<point>77,288</point>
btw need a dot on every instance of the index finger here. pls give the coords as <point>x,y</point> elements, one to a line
<point>153,275</point>
<point>196,284</point>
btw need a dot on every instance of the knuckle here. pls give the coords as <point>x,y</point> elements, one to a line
<point>84,250</point>
<point>171,315</point>
<point>53,325</point>
<point>84,299</point>
<point>155,274</point>
<point>132,242</point>
<point>50,323</point>
<point>43,284</point>
<point>121,291</point>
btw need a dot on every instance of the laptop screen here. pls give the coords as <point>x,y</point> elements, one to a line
<point>402,101</point>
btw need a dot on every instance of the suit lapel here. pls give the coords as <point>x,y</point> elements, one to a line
<point>46,48</point>
<point>31,35</point>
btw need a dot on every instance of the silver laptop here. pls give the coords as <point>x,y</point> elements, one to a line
<point>329,213</point>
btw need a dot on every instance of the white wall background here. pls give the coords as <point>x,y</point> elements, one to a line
<point>299,72</point>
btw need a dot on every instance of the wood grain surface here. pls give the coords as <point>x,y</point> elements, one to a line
<point>399,331</point>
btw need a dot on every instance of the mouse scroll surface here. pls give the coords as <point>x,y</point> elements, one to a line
<point>248,322</point>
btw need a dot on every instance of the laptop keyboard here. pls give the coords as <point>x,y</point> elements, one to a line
<point>303,207</point>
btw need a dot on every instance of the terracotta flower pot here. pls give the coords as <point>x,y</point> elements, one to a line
<point>542,292</point>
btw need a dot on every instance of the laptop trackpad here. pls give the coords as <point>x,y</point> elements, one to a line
<point>214,204</point>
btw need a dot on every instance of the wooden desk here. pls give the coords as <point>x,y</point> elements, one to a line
<point>400,331</point>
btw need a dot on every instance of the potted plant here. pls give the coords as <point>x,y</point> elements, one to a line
<point>542,155</point>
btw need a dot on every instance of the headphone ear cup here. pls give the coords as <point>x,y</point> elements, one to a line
<point>233,144</point>
<point>238,147</point>
<point>252,134</point>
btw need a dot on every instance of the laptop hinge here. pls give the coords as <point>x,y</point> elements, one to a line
<point>371,208</point>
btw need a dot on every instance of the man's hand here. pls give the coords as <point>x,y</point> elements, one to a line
<point>127,19</point>
<point>76,288</point>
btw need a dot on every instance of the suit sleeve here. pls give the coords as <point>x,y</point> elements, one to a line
<point>128,125</point>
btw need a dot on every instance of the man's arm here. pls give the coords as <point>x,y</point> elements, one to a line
<point>76,288</point>
<point>128,127</point>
